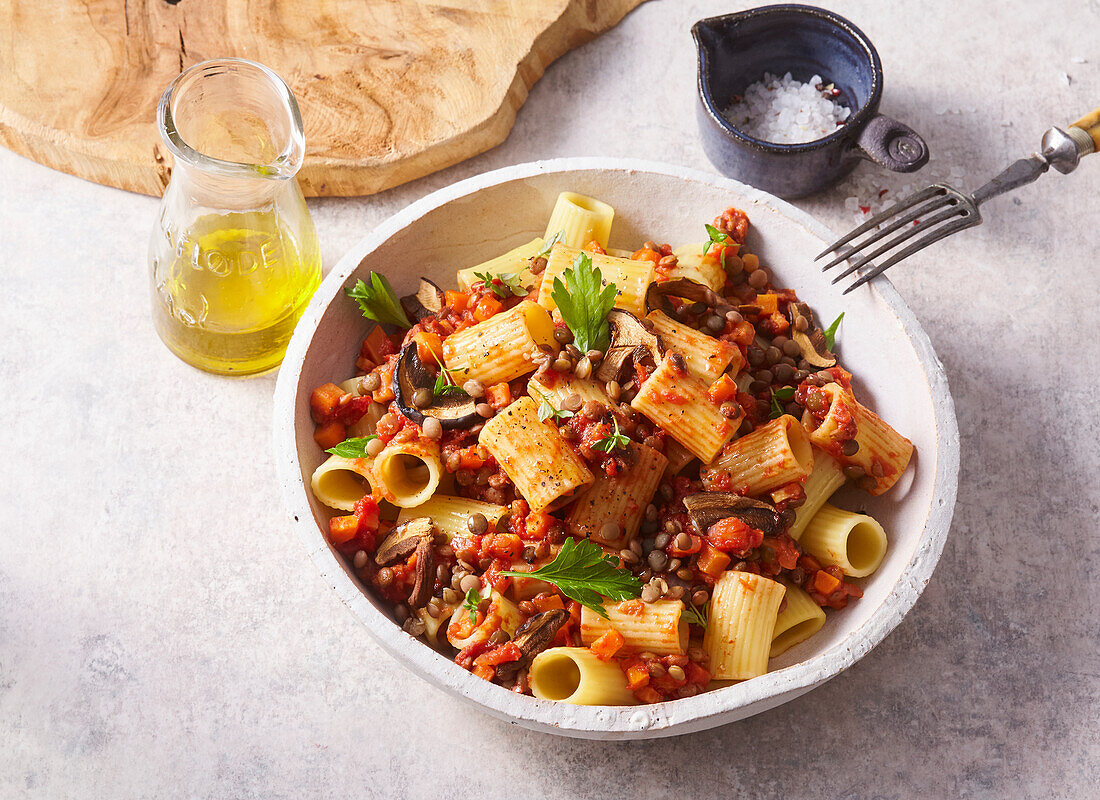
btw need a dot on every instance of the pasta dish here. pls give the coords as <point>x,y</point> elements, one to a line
<point>603,476</point>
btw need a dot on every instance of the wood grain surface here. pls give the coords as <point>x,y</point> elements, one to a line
<point>390,90</point>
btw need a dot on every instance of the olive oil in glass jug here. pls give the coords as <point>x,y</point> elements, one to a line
<point>234,257</point>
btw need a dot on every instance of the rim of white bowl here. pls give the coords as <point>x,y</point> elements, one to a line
<point>702,711</point>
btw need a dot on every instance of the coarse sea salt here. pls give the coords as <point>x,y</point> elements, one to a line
<point>785,111</point>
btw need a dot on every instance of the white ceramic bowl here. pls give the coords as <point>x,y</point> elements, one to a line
<point>896,373</point>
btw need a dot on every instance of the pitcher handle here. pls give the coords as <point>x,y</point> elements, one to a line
<point>892,144</point>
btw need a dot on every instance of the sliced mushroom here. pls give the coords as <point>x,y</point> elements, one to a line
<point>632,342</point>
<point>656,297</point>
<point>428,300</point>
<point>403,541</point>
<point>425,574</point>
<point>532,637</point>
<point>707,508</point>
<point>453,410</point>
<point>810,341</point>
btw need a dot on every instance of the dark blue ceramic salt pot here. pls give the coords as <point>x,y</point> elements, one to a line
<point>736,50</point>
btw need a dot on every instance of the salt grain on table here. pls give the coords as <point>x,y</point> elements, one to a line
<point>786,111</point>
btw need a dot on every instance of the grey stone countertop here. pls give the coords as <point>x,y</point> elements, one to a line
<point>163,634</point>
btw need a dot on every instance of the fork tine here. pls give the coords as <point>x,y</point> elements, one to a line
<point>933,236</point>
<point>882,216</point>
<point>936,203</point>
<point>890,244</point>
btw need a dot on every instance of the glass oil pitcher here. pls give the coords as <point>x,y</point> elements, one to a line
<point>234,256</point>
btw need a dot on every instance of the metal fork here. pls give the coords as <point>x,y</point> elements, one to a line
<point>943,210</point>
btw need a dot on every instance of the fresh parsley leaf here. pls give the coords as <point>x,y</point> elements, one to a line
<point>546,248</point>
<point>696,615</point>
<point>616,441</point>
<point>584,305</point>
<point>470,604</point>
<point>352,448</point>
<point>547,411</point>
<point>378,302</point>
<point>786,393</point>
<point>445,383</point>
<point>504,285</point>
<point>583,572</point>
<point>716,238</point>
<point>830,332</point>
<point>443,388</point>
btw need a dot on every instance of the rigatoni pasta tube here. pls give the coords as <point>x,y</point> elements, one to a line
<point>577,220</point>
<point>825,478</point>
<point>575,675</point>
<point>407,473</point>
<point>883,452</point>
<point>340,482</point>
<point>692,264</point>
<point>678,456</point>
<point>501,348</point>
<point>854,542</point>
<point>771,456</point>
<point>502,614</point>
<point>740,625</point>
<point>451,514</point>
<point>645,627</point>
<point>515,262</point>
<point>557,387</point>
<point>631,278</point>
<point>620,499</point>
<point>799,619</point>
<point>541,464</point>
<point>706,357</point>
<point>677,402</point>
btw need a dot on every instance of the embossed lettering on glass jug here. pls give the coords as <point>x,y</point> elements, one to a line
<point>234,258</point>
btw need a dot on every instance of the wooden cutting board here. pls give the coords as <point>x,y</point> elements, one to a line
<point>390,90</point>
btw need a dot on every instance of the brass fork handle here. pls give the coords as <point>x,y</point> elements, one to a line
<point>1090,124</point>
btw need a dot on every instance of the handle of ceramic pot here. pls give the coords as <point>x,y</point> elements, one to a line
<point>891,144</point>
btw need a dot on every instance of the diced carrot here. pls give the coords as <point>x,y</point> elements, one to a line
<point>605,647</point>
<point>825,583</point>
<point>456,300</point>
<point>647,694</point>
<point>505,545</point>
<point>769,303</point>
<point>594,247</point>
<point>548,602</point>
<point>322,403</point>
<point>498,395</point>
<point>487,307</point>
<point>712,562</point>
<point>536,526</point>
<point>484,671</point>
<point>377,345</point>
<point>743,333</point>
<point>637,676</point>
<point>469,458</point>
<point>645,254</point>
<point>429,347</point>
<point>384,392</point>
<point>722,389</point>
<point>695,546</point>
<point>330,434</point>
<point>342,529</point>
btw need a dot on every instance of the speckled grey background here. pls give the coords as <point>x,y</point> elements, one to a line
<point>162,633</point>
